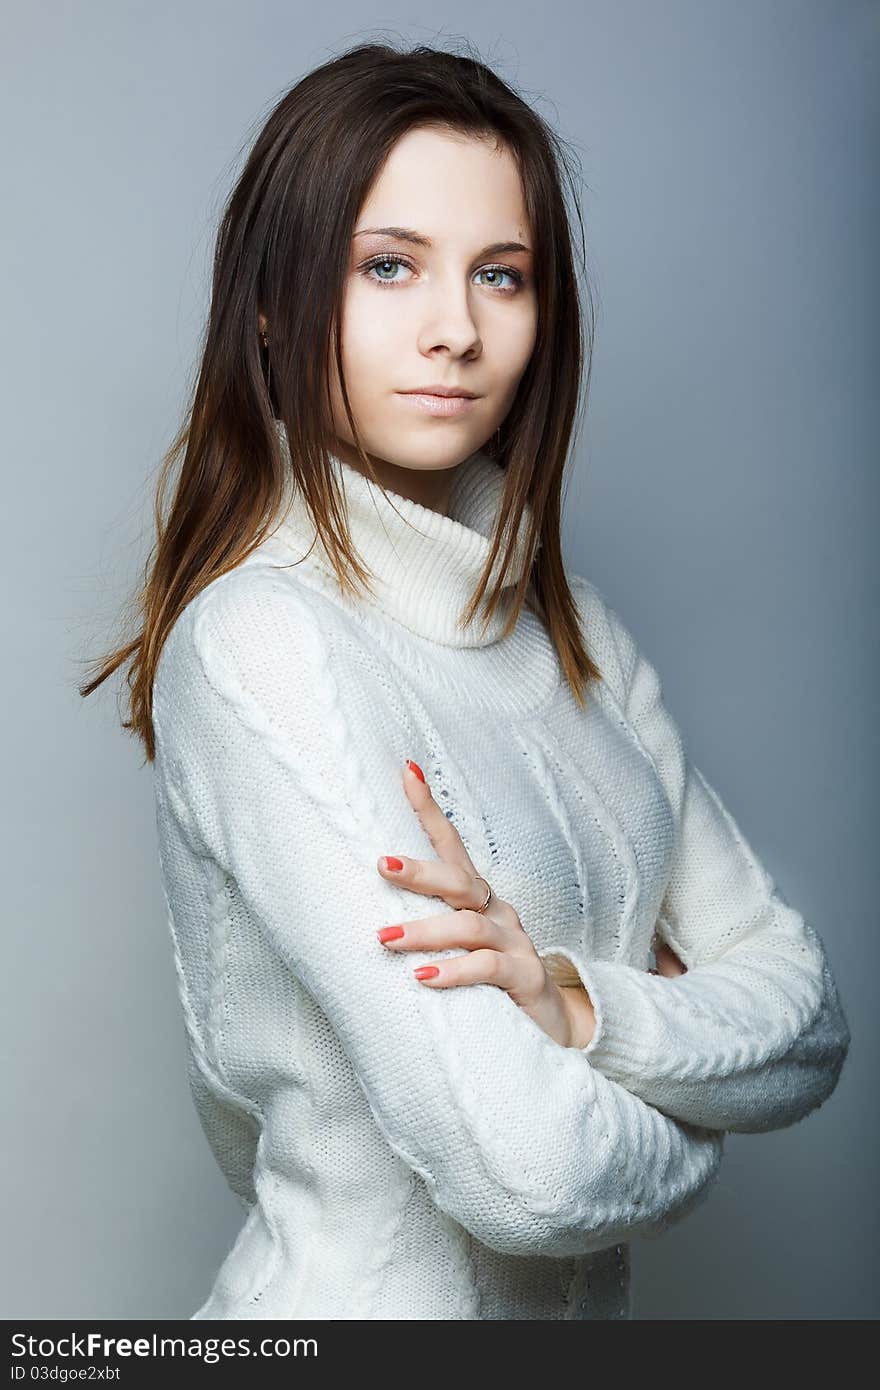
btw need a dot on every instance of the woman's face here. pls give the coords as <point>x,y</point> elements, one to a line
<point>457,311</point>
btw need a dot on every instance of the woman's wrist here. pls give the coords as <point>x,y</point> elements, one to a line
<point>580,1013</point>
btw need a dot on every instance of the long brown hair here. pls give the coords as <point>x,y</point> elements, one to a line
<point>302,187</point>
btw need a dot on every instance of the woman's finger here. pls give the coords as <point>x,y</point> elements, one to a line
<point>468,929</point>
<point>482,966</point>
<point>457,886</point>
<point>438,827</point>
<point>493,947</point>
<point>452,876</point>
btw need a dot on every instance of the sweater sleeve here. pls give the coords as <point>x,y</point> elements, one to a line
<point>753,1036</point>
<point>521,1141</point>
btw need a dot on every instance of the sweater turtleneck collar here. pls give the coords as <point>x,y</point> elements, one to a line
<point>425,565</point>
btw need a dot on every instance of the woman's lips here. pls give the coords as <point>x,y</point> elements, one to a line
<point>439,405</point>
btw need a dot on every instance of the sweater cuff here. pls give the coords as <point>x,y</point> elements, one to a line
<point>626,1039</point>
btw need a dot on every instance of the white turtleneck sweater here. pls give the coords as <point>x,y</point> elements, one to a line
<point>405,1152</point>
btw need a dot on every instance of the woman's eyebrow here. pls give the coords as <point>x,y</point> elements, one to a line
<point>497,248</point>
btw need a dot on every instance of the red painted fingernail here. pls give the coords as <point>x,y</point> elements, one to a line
<point>389,933</point>
<point>391,862</point>
<point>414,767</point>
<point>426,972</point>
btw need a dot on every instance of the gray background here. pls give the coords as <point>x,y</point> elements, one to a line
<point>724,497</point>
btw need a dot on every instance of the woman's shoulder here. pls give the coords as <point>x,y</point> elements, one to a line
<point>246,666</point>
<point>592,598</point>
<point>254,633</point>
<point>254,603</point>
<point>607,637</point>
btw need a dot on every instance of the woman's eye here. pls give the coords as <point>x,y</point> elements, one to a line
<point>499,270</point>
<point>384,265</point>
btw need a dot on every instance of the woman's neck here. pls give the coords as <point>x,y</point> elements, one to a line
<point>429,487</point>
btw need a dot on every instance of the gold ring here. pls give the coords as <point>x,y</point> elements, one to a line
<point>485,904</point>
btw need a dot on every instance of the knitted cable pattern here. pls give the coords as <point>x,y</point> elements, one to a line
<point>407,1151</point>
<point>354,814</point>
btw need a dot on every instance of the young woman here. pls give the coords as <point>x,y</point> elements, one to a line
<point>422,813</point>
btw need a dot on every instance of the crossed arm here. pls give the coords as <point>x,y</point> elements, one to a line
<point>748,1032</point>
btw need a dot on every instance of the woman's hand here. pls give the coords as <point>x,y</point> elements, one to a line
<point>500,951</point>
